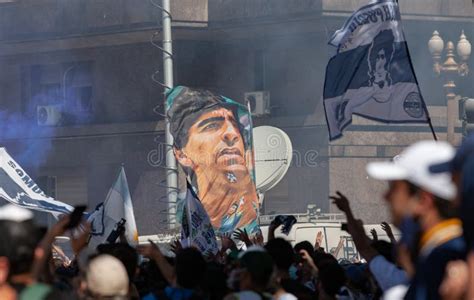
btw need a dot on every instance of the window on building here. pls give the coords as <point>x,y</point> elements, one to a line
<point>66,86</point>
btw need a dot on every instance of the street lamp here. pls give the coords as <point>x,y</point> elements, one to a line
<point>450,69</point>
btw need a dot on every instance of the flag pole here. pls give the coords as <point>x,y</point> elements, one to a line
<point>425,107</point>
<point>259,201</point>
<point>171,169</point>
<point>431,126</point>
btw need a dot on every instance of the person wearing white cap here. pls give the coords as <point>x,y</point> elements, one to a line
<point>415,192</point>
<point>409,172</point>
<point>106,278</point>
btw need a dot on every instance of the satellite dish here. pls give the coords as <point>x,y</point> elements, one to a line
<point>273,153</point>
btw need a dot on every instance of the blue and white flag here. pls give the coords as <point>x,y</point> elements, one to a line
<point>117,206</point>
<point>17,187</point>
<point>196,227</point>
<point>371,74</point>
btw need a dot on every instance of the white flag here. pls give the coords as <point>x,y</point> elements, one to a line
<point>117,206</point>
<point>18,188</point>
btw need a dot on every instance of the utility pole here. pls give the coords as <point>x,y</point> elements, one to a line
<point>171,170</point>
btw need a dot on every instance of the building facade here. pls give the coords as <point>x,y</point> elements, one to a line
<point>95,63</point>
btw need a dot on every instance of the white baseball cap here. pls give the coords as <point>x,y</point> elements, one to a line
<point>413,165</point>
<point>10,212</point>
<point>106,276</point>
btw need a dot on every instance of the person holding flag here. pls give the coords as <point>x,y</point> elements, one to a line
<point>117,208</point>
<point>371,74</point>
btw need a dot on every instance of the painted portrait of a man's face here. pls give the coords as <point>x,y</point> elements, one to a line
<point>212,145</point>
<point>379,59</point>
<point>215,144</point>
<point>380,56</point>
<point>380,62</point>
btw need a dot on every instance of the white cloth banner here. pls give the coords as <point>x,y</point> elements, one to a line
<point>17,187</point>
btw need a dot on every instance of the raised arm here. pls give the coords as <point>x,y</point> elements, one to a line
<point>153,252</point>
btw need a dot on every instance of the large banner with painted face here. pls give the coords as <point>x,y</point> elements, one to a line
<point>213,144</point>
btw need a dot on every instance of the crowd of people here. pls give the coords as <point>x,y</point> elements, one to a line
<point>429,195</point>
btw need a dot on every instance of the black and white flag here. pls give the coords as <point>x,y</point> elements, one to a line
<point>196,227</point>
<point>17,187</point>
<point>371,74</point>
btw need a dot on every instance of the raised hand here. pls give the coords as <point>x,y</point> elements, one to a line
<point>45,245</point>
<point>373,232</point>
<point>362,242</point>
<point>272,227</point>
<point>341,202</point>
<point>60,227</point>
<point>308,259</point>
<point>151,250</point>
<point>386,227</point>
<point>242,235</point>
<point>339,247</point>
<point>80,241</point>
<point>176,246</point>
<point>227,242</point>
<point>257,239</point>
<point>319,240</point>
<point>210,257</point>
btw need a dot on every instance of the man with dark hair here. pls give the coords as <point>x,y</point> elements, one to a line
<point>331,279</point>
<point>184,278</point>
<point>213,149</point>
<point>20,238</point>
<point>283,255</point>
<point>190,266</point>
<point>428,200</point>
<point>284,258</point>
<point>255,270</point>
<point>304,245</point>
<point>26,248</point>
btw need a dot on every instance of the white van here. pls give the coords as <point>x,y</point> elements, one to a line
<point>332,236</point>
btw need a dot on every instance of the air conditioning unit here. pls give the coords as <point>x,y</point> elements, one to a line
<point>259,102</point>
<point>48,115</point>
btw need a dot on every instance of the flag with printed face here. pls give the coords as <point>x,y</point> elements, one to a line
<point>117,206</point>
<point>17,187</point>
<point>371,74</point>
<point>196,227</point>
<point>213,146</point>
